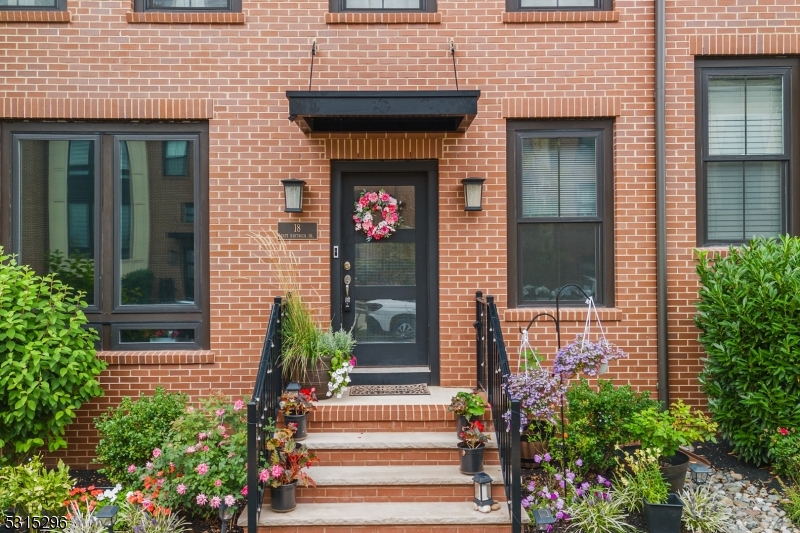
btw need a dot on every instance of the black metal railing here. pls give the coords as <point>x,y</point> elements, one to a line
<point>261,409</point>
<point>492,372</point>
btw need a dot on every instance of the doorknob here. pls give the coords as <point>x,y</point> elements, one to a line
<point>346,305</point>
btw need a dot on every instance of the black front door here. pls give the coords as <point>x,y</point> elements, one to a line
<point>391,281</point>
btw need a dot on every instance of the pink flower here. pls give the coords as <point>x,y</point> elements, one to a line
<point>244,490</point>
<point>384,197</point>
<point>238,405</point>
<point>263,475</point>
<point>373,197</point>
<point>201,499</point>
<point>218,483</point>
<point>230,500</point>
<point>181,489</point>
<point>149,465</point>
<point>202,436</point>
<point>202,468</point>
<point>783,431</point>
<point>205,448</point>
<point>190,409</point>
<point>146,503</point>
<point>190,449</point>
<point>215,501</point>
<point>219,412</point>
<point>277,470</point>
<point>157,453</point>
<point>131,469</point>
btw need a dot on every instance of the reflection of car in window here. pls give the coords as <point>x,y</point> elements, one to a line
<point>395,318</point>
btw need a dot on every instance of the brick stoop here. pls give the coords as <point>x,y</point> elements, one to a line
<point>388,463</point>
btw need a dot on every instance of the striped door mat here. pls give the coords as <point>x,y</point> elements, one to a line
<point>388,390</point>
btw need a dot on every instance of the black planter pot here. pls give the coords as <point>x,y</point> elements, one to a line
<point>675,473</point>
<point>666,517</point>
<point>302,425</point>
<point>461,423</point>
<point>471,459</point>
<point>283,498</point>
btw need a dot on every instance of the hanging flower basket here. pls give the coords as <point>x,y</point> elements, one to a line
<point>377,214</point>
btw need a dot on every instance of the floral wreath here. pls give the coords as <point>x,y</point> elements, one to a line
<point>376,214</point>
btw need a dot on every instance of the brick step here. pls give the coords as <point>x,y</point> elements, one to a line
<point>386,516</point>
<point>390,449</point>
<point>384,483</point>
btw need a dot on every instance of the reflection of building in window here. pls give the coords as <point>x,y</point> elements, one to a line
<point>175,158</point>
<point>188,212</point>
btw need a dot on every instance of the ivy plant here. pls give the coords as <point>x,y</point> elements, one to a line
<point>748,309</point>
<point>48,363</point>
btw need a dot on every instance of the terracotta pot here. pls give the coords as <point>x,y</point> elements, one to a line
<point>471,459</point>
<point>528,450</point>
<point>283,498</point>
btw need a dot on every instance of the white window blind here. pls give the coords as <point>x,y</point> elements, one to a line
<point>559,177</point>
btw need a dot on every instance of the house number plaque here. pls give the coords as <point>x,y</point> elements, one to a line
<point>293,231</point>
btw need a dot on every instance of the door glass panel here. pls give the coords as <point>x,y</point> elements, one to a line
<point>57,225</point>
<point>405,199</point>
<point>385,263</point>
<point>156,250</point>
<point>385,320</point>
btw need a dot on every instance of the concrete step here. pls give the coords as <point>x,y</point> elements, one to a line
<point>390,449</point>
<point>389,516</point>
<point>384,483</point>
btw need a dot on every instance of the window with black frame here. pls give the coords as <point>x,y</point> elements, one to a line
<point>234,6</point>
<point>136,262</point>
<point>33,5</point>
<point>558,5</point>
<point>562,229</point>
<point>425,6</point>
<point>744,149</point>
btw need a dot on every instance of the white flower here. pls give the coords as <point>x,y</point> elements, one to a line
<point>347,379</point>
<point>329,393</point>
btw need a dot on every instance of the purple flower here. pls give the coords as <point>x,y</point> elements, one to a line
<point>547,457</point>
<point>579,462</point>
<point>570,477</point>
<point>585,485</point>
<point>579,492</point>
<point>537,458</point>
<point>600,479</point>
<point>559,515</point>
<point>585,356</point>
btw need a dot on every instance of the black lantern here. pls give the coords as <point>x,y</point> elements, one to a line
<point>473,191</point>
<point>293,195</point>
<point>483,489</point>
<point>699,473</point>
<point>107,516</point>
<point>225,514</point>
<point>543,518</point>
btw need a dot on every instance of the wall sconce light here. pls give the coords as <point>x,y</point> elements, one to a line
<point>293,195</point>
<point>473,191</point>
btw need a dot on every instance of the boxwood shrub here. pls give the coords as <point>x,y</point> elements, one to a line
<point>749,317</point>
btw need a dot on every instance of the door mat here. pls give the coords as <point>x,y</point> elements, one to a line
<point>388,390</point>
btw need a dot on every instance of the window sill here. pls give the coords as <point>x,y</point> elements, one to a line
<point>383,18</point>
<point>568,314</point>
<point>153,17</point>
<point>541,17</point>
<point>34,16</point>
<point>161,357</point>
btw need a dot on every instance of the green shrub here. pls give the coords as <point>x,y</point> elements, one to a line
<point>48,362</point>
<point>748,309</point>
<point>597,420</point>
<point>784,452</point>
<point>792,503</point>
<point>130,432</point>
<point>33,490</point>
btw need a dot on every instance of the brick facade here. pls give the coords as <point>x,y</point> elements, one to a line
<point>100,61</point>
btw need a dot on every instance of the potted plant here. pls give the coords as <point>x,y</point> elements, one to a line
<point>640,486</point>
<point>295,406</point>
<point>329,373</point>
<point>473,442</point>
<point>287,461</point>
<point>539,393</point>
<point>669,430</point>
<point>467,406</point>
<point>583,355</point>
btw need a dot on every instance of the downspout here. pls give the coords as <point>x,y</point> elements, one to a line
<point>661,204</point>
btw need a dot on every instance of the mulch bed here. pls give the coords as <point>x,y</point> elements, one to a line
<point>86,478</point>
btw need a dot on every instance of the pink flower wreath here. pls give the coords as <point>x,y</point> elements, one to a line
<point>376,214</point>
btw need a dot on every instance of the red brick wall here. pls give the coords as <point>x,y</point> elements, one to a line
<point>722,29</point>
<point>104,62</point>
